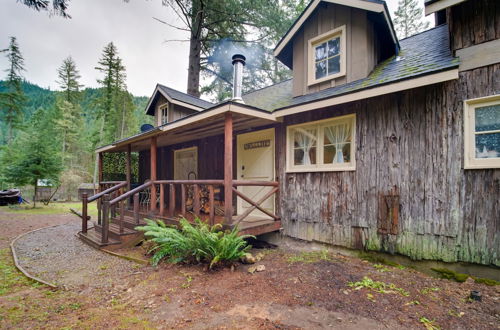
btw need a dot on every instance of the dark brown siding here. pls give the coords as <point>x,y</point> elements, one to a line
<point>474,22</point>
<point>409,144</point>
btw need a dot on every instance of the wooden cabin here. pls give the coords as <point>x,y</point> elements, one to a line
<point>375,143</point>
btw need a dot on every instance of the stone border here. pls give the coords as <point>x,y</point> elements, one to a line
<point>20,268</point>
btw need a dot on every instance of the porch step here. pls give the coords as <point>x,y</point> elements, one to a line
<point>128,222</point>
<point>93,238</point>
<point>114,230</point>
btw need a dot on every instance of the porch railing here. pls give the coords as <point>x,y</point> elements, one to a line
<point>202,195</point>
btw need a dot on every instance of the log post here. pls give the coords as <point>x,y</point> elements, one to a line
<point>153,174</point>
<point>99,188</point>
<point>128,165</point>
<point>122,215</point>
<point>136,208</point>
<point>162,199</point>
<point>84,213</point>
<point>228,168</point>
<point>183,200</point>
<point>211,204</point>
<point>105,219</point>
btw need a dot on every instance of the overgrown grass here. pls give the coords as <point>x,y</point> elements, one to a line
<point>52,208</point>
<point>196,242</point>
<point>10,278</point>
<point>380,287</point>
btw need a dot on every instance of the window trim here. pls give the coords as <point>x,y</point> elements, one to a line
<point>340,31</point>
<point>161,116</point>
<point>470,161</point>
<point>351,166</point>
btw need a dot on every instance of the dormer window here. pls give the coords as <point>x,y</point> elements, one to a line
<point>327,56</point>
<point>163,114</point>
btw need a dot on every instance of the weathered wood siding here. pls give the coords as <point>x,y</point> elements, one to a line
<point>412,143</point>
<point>473,22</point>
<point>361,43</point>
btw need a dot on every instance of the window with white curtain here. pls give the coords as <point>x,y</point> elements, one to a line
<point>482,132</point>
<point>325,145</point>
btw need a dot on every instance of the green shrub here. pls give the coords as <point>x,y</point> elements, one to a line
<point>450,274</point>
<point>194,242</point>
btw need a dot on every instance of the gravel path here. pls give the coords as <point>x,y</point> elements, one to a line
<point>57,256</point>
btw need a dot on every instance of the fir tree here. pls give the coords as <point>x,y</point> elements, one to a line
<point>12,99</point>
<point>408,19</point>
<point>68,76</point>
<point>36,157</point>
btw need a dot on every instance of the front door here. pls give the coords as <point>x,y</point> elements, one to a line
<point>256,163</point>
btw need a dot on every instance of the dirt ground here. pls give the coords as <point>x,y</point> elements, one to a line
<point>295,291</point>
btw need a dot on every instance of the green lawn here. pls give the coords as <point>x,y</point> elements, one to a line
<point>52,208</point>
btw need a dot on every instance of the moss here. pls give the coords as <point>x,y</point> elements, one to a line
<point>378,260</point>
<point>450,274</point>
<point>486,281</point>
<point>310,257</point>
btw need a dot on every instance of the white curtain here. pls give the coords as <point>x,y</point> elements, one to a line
<point>339,135</point>
<point>305,139</point>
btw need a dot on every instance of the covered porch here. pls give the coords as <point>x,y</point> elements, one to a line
<point>217,165</point>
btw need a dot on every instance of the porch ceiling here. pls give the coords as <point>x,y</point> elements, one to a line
<point>204,124</point>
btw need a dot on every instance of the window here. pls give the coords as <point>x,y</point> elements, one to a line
<point>325,145</point>
<point>327,56</point>
<point>163,114</point>
<point>482,132</point>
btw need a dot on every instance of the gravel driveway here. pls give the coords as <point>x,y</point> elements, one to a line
<point>57,256</point>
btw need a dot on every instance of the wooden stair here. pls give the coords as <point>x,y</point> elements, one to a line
<point>116,239</point>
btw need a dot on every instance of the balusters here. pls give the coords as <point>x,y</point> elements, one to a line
<point>136,208</point>
<point>183,200</point>
<point>105,219</point>
<point>196,199</point>
<point>122,215</point>
<point>84,213</point>
<point>171,203</point>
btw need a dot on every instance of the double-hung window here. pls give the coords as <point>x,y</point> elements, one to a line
<point>325,145</point>
<point>482,132</point>
<point>163,118</point>
<point>327,56</point>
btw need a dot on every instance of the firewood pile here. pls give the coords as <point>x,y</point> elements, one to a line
<point>204,200</point>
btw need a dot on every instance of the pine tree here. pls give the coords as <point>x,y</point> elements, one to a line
<point>408,19</point>
<point>13,98</point>
<point>68,76</point>
<point>37,157</point>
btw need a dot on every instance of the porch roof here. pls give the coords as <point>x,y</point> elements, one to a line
<point>206,123</point>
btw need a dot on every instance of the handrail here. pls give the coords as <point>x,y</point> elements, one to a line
<point>191,182</point>
<point>130,193</point>
<point>107,191</point>
<point>110,182</point>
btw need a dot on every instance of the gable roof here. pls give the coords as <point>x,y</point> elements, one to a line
<point>283,49</point>
<point>423,54</point>
<point>270,97</point>
<point>176,97</point>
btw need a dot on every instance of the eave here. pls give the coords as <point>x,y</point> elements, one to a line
<point>435,6</point>
<point>170,100</point>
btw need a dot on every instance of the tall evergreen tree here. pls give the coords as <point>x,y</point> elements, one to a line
<point>68,76</point>
<point>59,7</point>
<point>408,19</point>
<point>37,157</point>
<point>13,98</point>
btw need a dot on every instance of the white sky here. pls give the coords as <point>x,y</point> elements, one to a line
<point>45,41</point>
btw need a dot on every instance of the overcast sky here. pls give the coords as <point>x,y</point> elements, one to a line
<point>45,41</point>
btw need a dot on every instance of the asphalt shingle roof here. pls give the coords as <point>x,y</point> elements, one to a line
<point>186,98</point>
<point>421,54</point>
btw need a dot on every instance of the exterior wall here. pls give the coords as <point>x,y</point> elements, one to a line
<point>473,22</point>
<point>361,43</point>
<point>175,111</point>
<point>410,143</point>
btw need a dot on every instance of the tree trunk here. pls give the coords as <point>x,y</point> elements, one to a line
<point>193,83</point>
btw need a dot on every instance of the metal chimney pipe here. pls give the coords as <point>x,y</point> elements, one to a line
<point>238,64</point>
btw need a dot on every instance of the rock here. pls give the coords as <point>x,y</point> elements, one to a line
<point>259,256</point>
<point>252,269</point>
<point>260,268</point>
<point>248,258</point>
<point>469,280</point>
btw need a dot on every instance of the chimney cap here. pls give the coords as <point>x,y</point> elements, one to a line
<point>239,58</point>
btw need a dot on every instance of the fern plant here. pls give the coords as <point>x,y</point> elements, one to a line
<point>194,242</point>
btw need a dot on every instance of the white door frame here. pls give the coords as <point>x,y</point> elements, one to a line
<point>240,150</point>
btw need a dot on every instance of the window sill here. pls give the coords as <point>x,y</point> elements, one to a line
<point>481,166</point>
<point>321,169</point>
